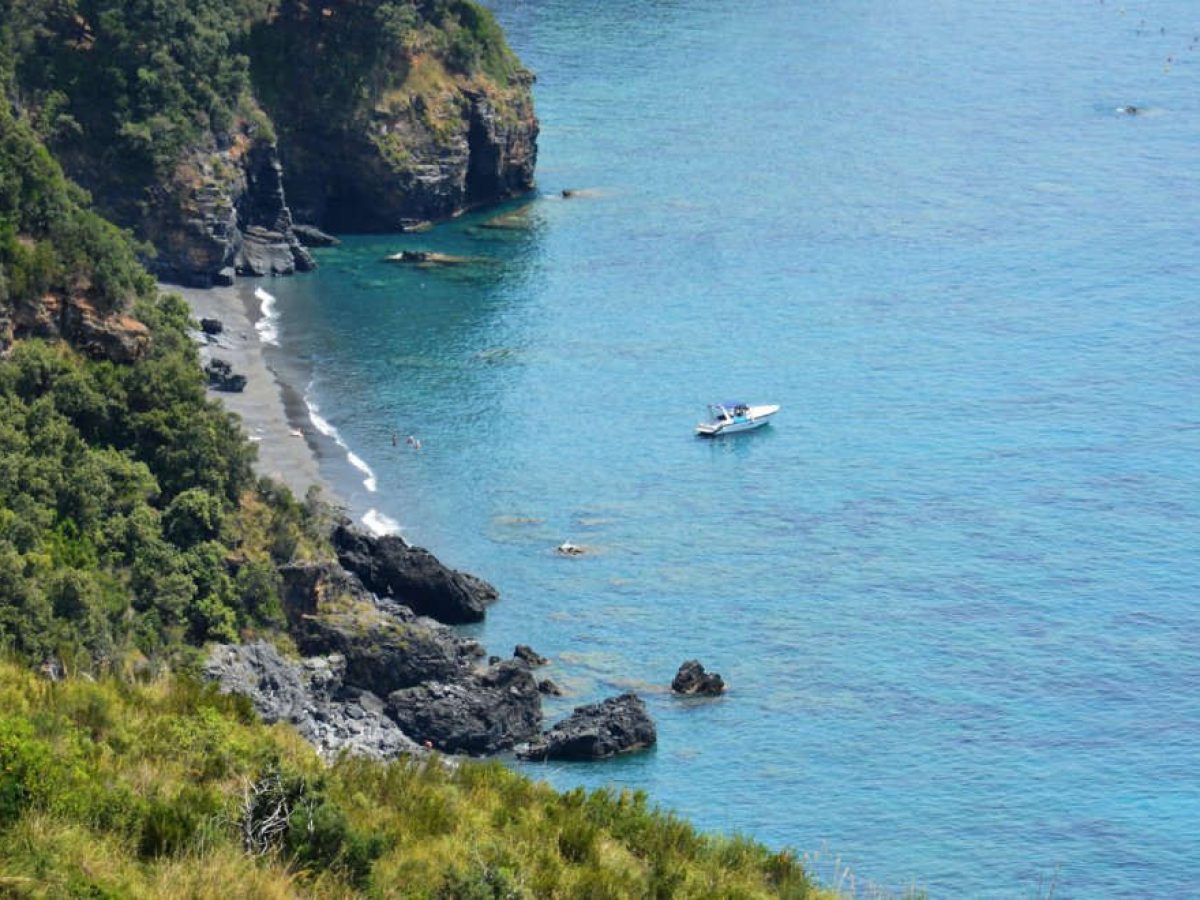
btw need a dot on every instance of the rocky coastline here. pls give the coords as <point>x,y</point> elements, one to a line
<point>379,679</point>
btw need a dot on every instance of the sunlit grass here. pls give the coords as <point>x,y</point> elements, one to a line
<point>115,789</point>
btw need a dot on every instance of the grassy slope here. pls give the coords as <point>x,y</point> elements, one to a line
<point>112,788</point>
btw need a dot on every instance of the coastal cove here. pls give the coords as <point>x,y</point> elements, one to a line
<point>952,587</point>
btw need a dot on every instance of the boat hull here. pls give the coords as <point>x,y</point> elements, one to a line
<point>756,417</point>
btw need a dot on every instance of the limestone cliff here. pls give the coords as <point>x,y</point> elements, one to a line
<point>382,125</point>
<point>223,212</point>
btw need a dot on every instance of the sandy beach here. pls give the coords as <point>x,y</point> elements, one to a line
<point>273,417</point>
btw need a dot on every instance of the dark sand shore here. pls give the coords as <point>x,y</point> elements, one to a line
<point>273,414</point>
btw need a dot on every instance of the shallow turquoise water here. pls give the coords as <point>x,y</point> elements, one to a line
<point>955,587</point>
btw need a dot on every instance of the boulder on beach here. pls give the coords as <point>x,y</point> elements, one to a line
<point>211,327</point>
<point>222,378</point>
<point>600,730</point>
<point>413,576</point>
<point>692,679</point>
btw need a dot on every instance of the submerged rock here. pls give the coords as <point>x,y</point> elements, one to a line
<point>616,725</point>
<point>431,259</point>
<point>312,236</point>
<point>692,679</point>
<point>390,567</point>
<point>529,655</point>
<point>519,219</point>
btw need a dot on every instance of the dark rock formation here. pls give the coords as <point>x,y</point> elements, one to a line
<point>529,655</point>
<point>478,715</point>
<point>413,576</point>
<point>386,646</point>
<point>223,210</point>
<point>549,688</point>
<point>310,695</point>
<point>389,137</point>
<point>617,725</point>
<point>377,647</point>
<point>211,327</point>
<point>692,679</point>
<point>312,236</point>
<point>383,653</point>
<point>222,378</point>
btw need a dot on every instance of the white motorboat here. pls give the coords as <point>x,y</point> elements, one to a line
<point>727,418</point>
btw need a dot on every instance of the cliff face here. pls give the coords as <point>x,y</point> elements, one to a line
<point>425,159</point>
<point>386,111</point>
<point>223,212</point>
<point>378,132</point>
<point>76,319</point>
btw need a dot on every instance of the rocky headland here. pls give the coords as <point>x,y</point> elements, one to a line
<point>380,679</point>
<point>368,116</point>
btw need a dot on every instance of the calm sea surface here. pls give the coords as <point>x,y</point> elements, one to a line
<point>955,587</point>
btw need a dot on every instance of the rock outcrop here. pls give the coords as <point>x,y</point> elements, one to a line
<point>529,655</point>
<point>311,695</point>
<point>407,128</point>
<point>221,377</point>
<point>224,210</point>
<point>76,319</point>
<point>692,679</point>
<point>616,725</point>
<point>312,236</point>
<point>478,715</point>
<point>360,648</point>
<point>413,576</point>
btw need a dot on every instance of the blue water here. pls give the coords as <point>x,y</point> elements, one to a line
<point>955,587</point>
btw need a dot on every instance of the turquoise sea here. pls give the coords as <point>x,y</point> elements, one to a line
<point>955,587</point>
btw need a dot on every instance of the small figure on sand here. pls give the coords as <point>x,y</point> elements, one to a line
<point>413,442</point>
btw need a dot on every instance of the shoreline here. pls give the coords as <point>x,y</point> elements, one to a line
<point>273,412</point>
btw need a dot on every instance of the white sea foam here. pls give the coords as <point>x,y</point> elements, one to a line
<point>357,461</point>
<point>267,326</point>
<point>379,524</point>
<point>322,425</point>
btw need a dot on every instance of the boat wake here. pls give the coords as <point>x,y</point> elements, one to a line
<point>323,426</point>
<point>267,326</point>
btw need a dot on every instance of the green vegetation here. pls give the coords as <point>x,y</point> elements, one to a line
<point>122,90</point>
<point>130,521</point>
<point>50,241</point>
<point>118,88</point>
<point>113,789</point>
<point>129,517</point>
<point>367,50</point>
<point>132,531</point>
